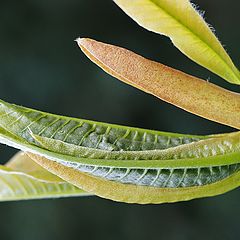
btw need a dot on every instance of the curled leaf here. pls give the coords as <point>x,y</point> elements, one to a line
<point>123,163</point>
<point>203,148</point>
<point>131,193</point>
<point>187,92</point>
<point>23,124</point>
<point>187,29</point>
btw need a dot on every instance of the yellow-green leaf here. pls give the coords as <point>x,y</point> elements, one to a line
<point>131,193</point>
<point>22,179</point>
<point>187,92</point>
<point>180,21</point>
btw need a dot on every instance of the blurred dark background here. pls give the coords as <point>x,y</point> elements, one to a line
<point>41,67</point>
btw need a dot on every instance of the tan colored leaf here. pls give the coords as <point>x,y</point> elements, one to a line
<point>185,91</point>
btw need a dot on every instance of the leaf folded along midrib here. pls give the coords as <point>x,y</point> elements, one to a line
<point>205,36</point>
<point>173,173</point>
<point>133,193</point>
<point>198,36</point>
<point>204,41</point>
<point>226,144</point>
<point>218,160</point>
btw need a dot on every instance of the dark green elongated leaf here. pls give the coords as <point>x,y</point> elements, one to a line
<point>22,121</point>
<point>22,179</point>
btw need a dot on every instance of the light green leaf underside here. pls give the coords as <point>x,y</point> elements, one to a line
<point>123,155</point>
<point>131,193</point>
<point>22,179</point>
<point>187,30</point>
<point>208,166</point>
<point>201,149</point>
<point>24,122</point>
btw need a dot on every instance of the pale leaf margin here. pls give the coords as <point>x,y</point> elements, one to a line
<point>23,179</point>
<point>188,31</point>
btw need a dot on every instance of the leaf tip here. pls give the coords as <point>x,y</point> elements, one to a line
<point>83,42</point>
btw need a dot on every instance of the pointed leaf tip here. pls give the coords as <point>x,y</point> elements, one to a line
<point>82,42</point>
<point>185,91</point>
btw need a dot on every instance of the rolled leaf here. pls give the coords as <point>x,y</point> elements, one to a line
<point>123,163</point>
<point>24,123</point>
<point>131,193</point>
<point>185,91</point>
<point>202,148</point>
<point>182,23</point>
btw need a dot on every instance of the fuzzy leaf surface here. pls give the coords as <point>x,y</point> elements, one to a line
<point>111,161</point>
<point>183,24</point>
<point>182,90</point>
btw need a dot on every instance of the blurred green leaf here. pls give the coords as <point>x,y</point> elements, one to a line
<point>23,179</point>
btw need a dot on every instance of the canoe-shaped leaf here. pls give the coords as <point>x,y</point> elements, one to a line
<point>132,193</point>
<point>23,122</point>
<point>203,148</point>
<point>187,92</point>
<point>187,29</point>
<point>213,169</point>
<point>22,179</point>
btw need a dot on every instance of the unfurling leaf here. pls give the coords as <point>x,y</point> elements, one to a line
<point>187,92</point>
<point>187,30</point>
<point>142,194</point>
<point>123,163</point>
<point>22,179</point>
<point>77,157</point>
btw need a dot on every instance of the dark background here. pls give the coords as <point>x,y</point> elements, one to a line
<point>41,67</point>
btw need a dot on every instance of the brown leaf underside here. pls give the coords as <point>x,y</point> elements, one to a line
<point>182,90</point>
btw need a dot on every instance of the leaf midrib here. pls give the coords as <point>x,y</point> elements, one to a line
<point>232,68</point>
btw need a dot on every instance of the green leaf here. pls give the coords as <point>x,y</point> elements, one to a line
<point>187,29</point>
<point>185,91</point>
<point>202,162</point>
<point>131,193</point>
<point>22,179</point>
<point>216,145</point>
<point>123,163</point>
<point>23,122</point>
